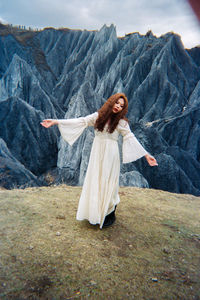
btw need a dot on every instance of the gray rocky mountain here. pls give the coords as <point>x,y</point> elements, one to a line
<point>13,173</point>
<point>70,73</point>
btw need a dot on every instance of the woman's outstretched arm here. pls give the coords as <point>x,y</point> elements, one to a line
<point>132,149</point>
<point>71,129</point>
<point>49,122</point>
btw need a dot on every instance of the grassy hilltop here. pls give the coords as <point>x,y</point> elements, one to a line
<point>151,252</point>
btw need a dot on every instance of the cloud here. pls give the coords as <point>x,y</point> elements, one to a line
<point>2,20</point>
<point>127,15</point>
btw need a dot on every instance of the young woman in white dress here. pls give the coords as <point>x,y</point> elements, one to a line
<point>99,196</point>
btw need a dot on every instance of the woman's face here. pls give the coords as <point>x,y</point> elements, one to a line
<point>118,106</point>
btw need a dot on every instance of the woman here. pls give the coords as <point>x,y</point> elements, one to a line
<point>99,196</point>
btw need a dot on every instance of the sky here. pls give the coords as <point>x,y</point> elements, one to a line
<point>159,16</point>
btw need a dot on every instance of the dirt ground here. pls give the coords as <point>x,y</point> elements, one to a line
<point>151,252</point>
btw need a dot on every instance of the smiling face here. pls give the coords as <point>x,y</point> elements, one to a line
<point>118,106</point>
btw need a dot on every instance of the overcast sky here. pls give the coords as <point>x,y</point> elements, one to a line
<point>160,16</point>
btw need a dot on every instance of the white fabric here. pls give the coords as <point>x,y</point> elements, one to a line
<point>100,189</point>
<point>131,148</point>
<point>71,129</point>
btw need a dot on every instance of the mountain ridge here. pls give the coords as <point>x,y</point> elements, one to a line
<point>70,73</point>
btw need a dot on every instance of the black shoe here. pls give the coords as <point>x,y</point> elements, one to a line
<point>109,219</point>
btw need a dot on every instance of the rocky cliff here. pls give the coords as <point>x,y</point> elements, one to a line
<point>70,73</point>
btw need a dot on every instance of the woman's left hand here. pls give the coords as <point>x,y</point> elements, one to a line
<point>151,160</point>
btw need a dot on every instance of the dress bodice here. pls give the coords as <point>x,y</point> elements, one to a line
<point>106,135</point>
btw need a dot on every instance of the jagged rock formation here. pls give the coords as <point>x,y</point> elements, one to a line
<point>70,73</point>
<point>13,173</point>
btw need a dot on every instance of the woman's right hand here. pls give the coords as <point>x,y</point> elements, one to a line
<point>49,122</point>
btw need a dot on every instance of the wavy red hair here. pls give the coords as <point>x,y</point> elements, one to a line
<point>106,114</point>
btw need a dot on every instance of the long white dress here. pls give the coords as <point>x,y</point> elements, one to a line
<point>100,189</point>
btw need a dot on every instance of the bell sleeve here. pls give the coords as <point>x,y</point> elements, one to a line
<point>71,129</point>
<point>131,148</point>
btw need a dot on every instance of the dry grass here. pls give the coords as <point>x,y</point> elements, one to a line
<point>151,252</point>
<point>20,34</point>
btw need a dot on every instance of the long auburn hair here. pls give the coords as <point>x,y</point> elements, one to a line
<point>106,114</point>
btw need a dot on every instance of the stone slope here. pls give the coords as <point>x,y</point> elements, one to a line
<point>70,73</point>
